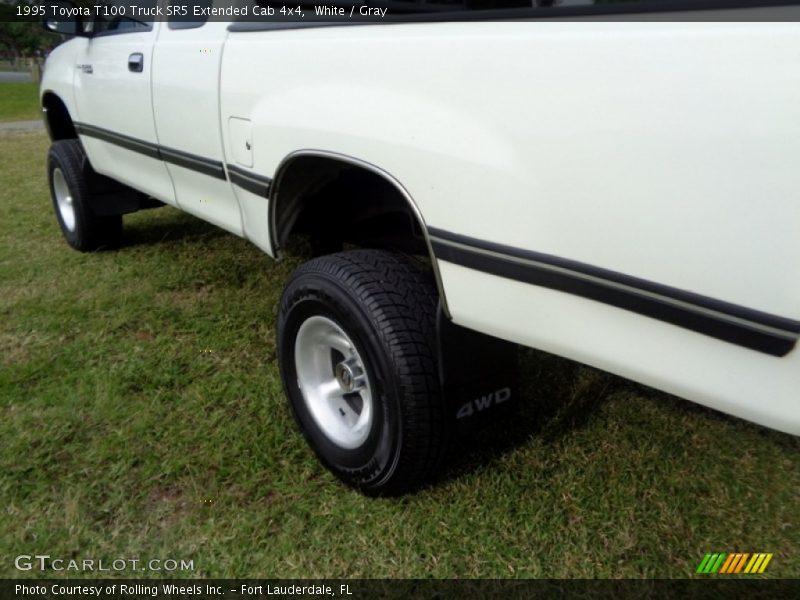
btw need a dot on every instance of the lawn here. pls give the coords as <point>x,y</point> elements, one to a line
<point>142,416</point>
<point>19,102</point>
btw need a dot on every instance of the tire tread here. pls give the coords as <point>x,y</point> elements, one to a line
<point>401,299</point>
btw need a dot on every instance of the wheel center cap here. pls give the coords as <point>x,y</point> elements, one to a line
<point>345,376</point>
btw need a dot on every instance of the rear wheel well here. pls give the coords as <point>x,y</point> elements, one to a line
<point>335,202</point>
<point>57,118</point>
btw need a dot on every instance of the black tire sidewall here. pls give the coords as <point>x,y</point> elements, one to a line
<point>373,461</point>
<point>59,158</point>
<point>92,232</point>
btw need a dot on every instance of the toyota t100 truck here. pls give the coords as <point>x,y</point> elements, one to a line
<point>624,193</point>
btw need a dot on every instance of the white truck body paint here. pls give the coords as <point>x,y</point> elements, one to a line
<point>112,97</point>
<point>664,151</point>
<point>185,75</point>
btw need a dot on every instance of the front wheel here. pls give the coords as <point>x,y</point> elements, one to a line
<point>82,228</point>
<point>357,352</point>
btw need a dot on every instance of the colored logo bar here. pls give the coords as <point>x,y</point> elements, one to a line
<point>737,562</point>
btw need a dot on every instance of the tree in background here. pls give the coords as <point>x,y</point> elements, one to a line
<point>24,43</point>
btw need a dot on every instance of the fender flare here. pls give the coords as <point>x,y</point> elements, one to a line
<point>388,177</point>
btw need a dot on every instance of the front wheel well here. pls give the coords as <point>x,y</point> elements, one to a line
<point>57,118</point>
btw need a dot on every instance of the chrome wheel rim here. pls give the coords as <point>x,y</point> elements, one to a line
<point>333,382</point>
<point>63,200</point>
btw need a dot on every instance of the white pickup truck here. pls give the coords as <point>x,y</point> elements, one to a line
<point>625,194</point>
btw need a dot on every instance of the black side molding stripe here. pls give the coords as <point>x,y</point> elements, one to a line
<point>124,141</point>
<point>739,325</point>
<point>193,162</point>
<point>200,164</point>
<point>249,181</point>
<point>241,177</point>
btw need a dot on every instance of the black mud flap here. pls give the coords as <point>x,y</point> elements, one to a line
<point>478,374</point>
<point>110,197</point>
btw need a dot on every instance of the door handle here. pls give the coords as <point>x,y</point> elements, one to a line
<point>136,62</point>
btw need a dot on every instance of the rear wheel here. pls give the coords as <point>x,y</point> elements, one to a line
<point>82,228</point>
<point>357,351</point>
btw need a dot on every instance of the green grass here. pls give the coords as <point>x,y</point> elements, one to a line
<point>141,415</point>
<point>19,102</point>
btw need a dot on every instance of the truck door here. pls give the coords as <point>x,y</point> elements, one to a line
<point>186,105</point>
<point>114,105</point>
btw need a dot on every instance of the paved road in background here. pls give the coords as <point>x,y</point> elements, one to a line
<point>21,126</point>
<point>14,76</point>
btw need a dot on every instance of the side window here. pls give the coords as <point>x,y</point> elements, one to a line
<point>111,19</point>
<point>181,13</point>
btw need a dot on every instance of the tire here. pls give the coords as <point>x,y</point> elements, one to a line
<point>365,321</point>
<point>83,230</point>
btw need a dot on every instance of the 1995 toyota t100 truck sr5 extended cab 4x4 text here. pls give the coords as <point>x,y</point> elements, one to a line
<point>625,194</point>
